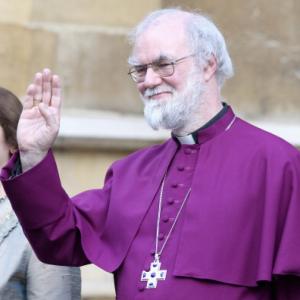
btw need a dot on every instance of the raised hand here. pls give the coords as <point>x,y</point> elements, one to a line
<point>39,122</point>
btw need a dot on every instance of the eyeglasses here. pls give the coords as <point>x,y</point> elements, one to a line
<point>163,68</point>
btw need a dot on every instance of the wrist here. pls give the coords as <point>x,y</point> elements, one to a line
<point>29,159</point>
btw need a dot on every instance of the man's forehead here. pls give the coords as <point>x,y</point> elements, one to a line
<point>160,42</point>
<point>164,27</point>
<point>138,60</point>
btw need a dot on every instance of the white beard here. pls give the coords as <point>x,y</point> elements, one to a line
<point>176,111</point>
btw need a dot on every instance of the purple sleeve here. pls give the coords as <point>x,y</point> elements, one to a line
<point>54,223</point>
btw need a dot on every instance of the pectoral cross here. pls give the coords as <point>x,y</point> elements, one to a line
<point>154,274</point>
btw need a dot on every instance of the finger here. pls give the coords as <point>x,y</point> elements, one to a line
<point>28,99</point>
<point>47,86</point>
<point>56,92</point>
<point>51,117</point>
<point>37,81</point>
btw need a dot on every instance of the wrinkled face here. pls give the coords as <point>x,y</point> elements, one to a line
<point>4,148</point>
<point>168,100</point>
<point>164,41</point>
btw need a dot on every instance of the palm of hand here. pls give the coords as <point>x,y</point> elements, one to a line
<point>35,132</point>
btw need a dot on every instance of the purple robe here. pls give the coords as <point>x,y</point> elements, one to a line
<point>238,234</point>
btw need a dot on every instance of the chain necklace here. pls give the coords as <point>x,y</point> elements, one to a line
<point>155,272</point>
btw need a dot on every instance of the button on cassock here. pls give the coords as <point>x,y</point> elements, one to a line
<point>165,218</point>
<point>170,201</point>
<point>180,168</point>
<point>161,236</point>
<point>187,151</point>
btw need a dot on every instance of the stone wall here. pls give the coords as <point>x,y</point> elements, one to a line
<point>264,42</point>
<point>85,42</point>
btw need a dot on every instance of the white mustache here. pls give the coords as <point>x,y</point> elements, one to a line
<point>149,92</point>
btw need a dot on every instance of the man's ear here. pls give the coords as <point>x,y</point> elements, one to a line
<point>210,68</point>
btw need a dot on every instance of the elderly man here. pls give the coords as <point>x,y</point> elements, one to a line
<point>213,213</point>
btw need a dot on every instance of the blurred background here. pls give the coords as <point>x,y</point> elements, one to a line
<point>84,41</point>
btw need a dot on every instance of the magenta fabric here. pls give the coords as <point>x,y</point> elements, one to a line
<point>240,227</point>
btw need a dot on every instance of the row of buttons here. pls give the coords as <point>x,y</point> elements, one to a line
<point>171,200</point>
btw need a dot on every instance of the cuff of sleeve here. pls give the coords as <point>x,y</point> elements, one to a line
<point>11,167</point>
<point>36,195</point>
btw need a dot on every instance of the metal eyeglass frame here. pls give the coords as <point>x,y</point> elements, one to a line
<point>156,68</point>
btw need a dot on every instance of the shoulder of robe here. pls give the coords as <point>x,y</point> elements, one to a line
<point>267,142</point>
<point>141,156</point>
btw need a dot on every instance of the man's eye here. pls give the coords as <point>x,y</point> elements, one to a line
<point>140,69</point>
<point>164,65</point>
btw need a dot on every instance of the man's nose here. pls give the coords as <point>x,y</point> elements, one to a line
<point>151,78</point>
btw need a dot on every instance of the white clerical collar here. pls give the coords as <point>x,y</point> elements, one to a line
<point>186,140</point>
<point>192,138</point>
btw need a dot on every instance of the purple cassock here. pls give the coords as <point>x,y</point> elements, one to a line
<point>237,236</point>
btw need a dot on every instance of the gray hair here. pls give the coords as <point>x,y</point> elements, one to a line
<point>204,37</point>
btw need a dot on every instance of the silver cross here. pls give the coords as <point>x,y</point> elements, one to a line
<point>154,274</point>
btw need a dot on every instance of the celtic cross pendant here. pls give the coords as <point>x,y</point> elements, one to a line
<point>154,274</point>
